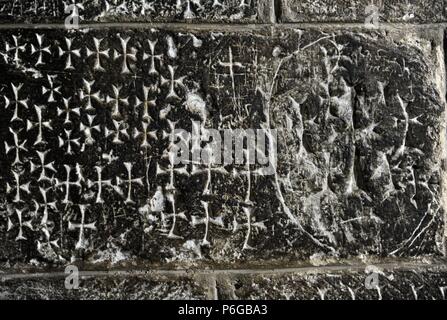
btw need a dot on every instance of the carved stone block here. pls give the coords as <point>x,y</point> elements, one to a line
<point>370,12</point>
<point>85,11</point>
<point>87,121</point>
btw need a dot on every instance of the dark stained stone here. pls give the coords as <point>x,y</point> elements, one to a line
<point>135,10</point>
<point>86,117</point>
<point>407,11</point>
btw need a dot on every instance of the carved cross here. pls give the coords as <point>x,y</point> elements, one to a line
<point>88,95</point>
<point>144,7</point>
<point>22,224</point>
<point>40,49</point>
<point>52,90</point>
<point>129,182</point>
<point>231,65</point>
<point>40,124</point>
<point>18,187</point>
<point>171,198</point>
<point>146,103</point>
<point>171,170</point>
<point>45,205</point>
<point>69,53</point>
<point>16,48</point>
<point>120,129</point>
<point>206,221</point>
<point>17,146</point>
<point>145,134</point>
<point>100,183</point>
<point>17,101</point>
<point>89,128</point>
<point>132,55</point>
<point>44,167</point>
<point>188,12</point>
<point>67,110</point>
<point>97,52</point>
<point>82,243</point>
<point>152,56</point>
<point>69,141</point>
<point>116,100</point>
<point>172,83</point>
<point>67,184</point>
<point>209,168</point>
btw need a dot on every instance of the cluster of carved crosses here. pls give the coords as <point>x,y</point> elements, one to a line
<point>187,9</point>
<point>89,120</point>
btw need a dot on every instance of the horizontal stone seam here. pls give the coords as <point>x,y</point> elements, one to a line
<point>225,27</point>
<point>197,272</point>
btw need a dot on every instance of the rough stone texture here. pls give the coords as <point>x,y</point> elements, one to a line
<point>359,163</point>
<point>407,11</point>
<point>417,284</point>
<point>135,10</point>
<point>105,288</point>
<point>398,285</point>
<point>88,121</point>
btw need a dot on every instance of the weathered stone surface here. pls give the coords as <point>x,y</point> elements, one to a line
<point>135,10</point>
<point>105,288</point>
<point>370,283</point>
<point>395,285</point>
<point>408,11</point>
<point>85,175</point>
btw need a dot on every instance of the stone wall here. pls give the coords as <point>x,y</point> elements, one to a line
<point>348,95</point>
